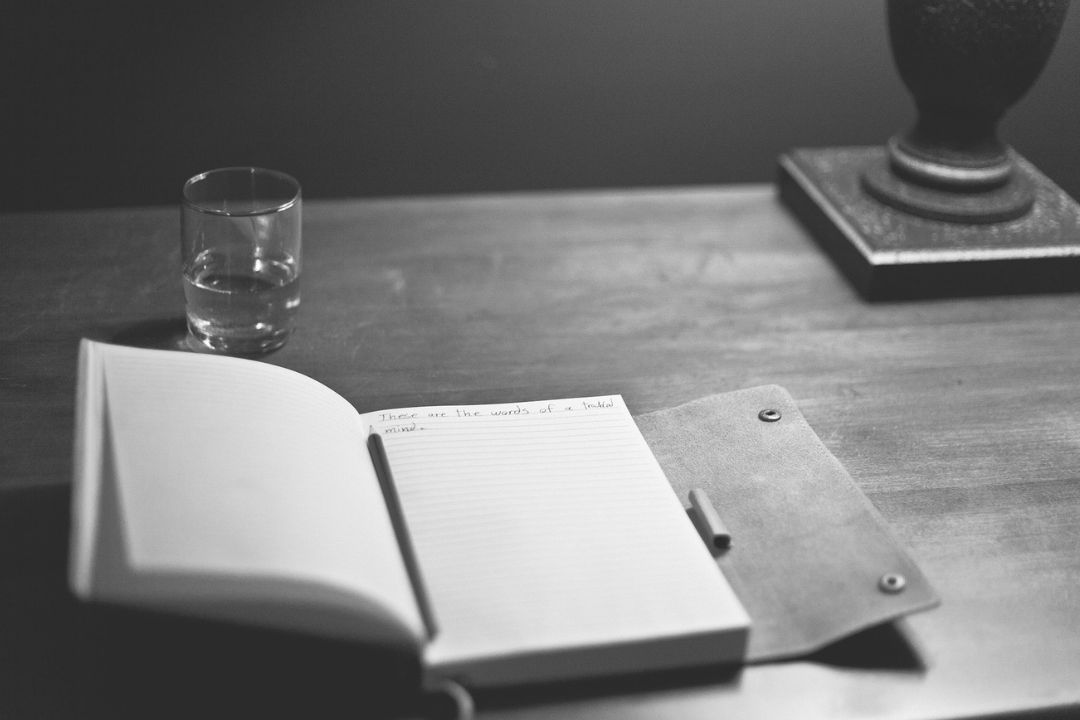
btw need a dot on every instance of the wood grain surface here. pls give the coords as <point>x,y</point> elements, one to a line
<point>960,419</point>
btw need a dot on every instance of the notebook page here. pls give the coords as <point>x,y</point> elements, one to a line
<point>542,526</point>
<point>239,481</point>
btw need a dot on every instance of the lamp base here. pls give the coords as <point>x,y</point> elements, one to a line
<point>888,254</point>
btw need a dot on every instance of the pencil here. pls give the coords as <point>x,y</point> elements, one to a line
<point>711,526</point>
<point>401,529</point>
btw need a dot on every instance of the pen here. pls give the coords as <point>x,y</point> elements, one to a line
<point>401,529</point>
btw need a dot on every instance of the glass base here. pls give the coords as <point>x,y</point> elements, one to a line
<point>247,342</point>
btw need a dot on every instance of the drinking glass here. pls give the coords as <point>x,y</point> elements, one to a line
<point>240,249</point>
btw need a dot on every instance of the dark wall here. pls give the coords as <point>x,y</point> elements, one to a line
<point>117,103</point>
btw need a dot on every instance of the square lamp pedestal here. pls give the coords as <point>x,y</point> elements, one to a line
<point>888,254</point>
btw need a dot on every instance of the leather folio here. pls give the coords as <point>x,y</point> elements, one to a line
<point>810,558</point>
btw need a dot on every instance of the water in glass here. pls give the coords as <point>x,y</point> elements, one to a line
<point>240,303</point>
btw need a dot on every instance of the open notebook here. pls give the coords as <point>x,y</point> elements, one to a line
<point>536,540</point>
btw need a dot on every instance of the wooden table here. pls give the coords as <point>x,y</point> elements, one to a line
<point>960,419</point>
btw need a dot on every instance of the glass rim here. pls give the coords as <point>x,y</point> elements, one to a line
<point>269,209</point>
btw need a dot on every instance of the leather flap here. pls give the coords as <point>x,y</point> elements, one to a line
<point>808,549</point>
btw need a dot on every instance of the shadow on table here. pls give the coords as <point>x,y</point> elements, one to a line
<point>163,333</point>
<point>160,333</point>
<point>887,646</point>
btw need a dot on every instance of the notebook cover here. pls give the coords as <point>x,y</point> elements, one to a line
<point>808,549</point>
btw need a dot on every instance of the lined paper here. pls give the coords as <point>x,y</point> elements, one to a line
<point>549,525</point>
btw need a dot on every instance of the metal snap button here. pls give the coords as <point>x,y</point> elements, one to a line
<point>892,583</point>
<point>769,415</point>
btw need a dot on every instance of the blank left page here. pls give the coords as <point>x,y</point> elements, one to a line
<point>249,482</point>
